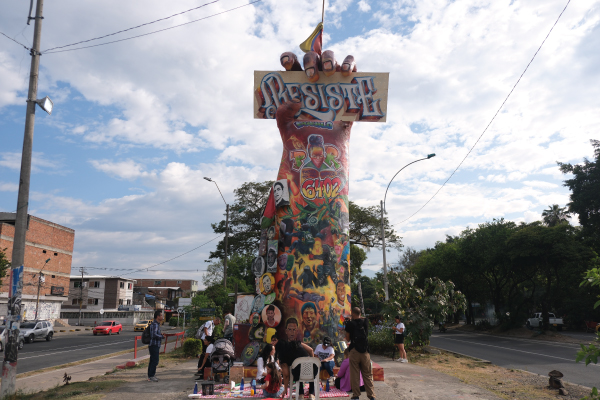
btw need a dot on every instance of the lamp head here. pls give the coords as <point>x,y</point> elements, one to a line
<point>47,260</point>
<point>208,179</point>
<point>430,155</point>
<point>46,104</point>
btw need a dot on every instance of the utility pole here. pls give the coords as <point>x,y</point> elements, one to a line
<point>226,237</point>
<point>41,280</point>
<point>80,296</point>
<point>9,366</point>
<point>385,279</point>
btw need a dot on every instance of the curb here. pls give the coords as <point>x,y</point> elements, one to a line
<point>463,355</point>
<point>546,376</point>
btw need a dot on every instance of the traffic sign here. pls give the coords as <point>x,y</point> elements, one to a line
<point>179,310</point>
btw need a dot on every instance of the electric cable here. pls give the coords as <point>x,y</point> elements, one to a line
<point>492,120</point>
<point>153,32</point>
<point>17,42</point>
<point>133,27</point>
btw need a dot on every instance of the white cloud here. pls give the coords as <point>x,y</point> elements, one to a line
<point>363,5</point>
<point>8,187</point>
<point>39,162</point>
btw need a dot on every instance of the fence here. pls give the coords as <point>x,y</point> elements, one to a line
<point>178,336</point>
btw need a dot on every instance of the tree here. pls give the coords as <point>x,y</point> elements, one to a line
<point>585,202</point>
<point>238,271</point>
<point>365,227</point>
<point>591,353</point>
<point>408,259</point>
<point>357,258</point>
<point>4,263</point>
<point>555,215</point>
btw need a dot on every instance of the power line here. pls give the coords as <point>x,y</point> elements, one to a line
<point>154,270</point>
<point>492,120</point>
<point>153,32</point>
<point>133,27</point>
<point>19,43</point>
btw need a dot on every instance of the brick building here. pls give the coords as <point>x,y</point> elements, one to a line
<point>99,292</point>
<point>49,250</point>
<point>188,287</point>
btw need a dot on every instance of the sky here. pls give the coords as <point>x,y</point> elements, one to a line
<point>137,124</point>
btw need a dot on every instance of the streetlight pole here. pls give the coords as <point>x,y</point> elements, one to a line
<point>37,304</point>
<point>385,279</point>
<point>226,232</point>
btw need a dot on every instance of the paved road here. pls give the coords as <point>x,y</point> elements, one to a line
<point>526,354</point>
<point>71,347</point>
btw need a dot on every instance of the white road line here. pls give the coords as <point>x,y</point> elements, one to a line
<point>67,351</point>
<point>567,345</point>
<point>70,347</point>
<point>520,351</point>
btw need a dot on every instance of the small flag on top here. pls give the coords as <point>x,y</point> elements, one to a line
<point>314,41</point>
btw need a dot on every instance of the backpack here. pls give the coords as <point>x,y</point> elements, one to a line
<point>360,339</point>
<point>146,335</point>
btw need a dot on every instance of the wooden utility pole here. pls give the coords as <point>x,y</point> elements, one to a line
<point>80,297</point>
<point>9,365</point>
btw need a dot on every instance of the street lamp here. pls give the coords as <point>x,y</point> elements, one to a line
<point>40,281</point>
<point>385,279</point>
<point>226,232</point>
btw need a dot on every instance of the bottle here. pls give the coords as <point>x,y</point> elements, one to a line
<point>254,385</point>
<point>196,388</point>
<point>327,386</point>
<point>242,385</point>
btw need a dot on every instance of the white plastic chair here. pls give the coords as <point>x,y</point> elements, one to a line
<point>306,374</point>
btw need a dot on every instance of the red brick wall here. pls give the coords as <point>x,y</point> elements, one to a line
<point>44,240</point>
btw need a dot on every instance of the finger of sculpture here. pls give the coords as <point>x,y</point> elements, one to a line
<point>290,62</point>
<point>330,65</point>
<point>312,66</point>
<point>348,66</point>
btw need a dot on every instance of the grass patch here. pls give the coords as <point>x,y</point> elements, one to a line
<point>510,384</point>
<point>79,390</point>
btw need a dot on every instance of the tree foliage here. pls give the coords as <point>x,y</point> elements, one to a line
<point>365,227</point>
<point>555,215</point>
<point>591,353</point>
<point>4,263</point>
<point>585,202</point>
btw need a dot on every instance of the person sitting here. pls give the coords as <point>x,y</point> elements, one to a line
<point>342,381</point>
<point>204,360</point>
<point>289,350</point>
<point>266,356</point>
<point>326,354</point>
<point>272,384</point>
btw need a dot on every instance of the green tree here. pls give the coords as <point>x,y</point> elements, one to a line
<point>238,271</point>
<point>555,215</point>
<point>4,263</point>
<point>357,258</point>
<point>407,260</point>
<point>591,353</point>
<point>585,202</point>
<point>365,227</point>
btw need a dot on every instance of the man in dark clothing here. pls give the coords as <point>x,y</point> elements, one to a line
<point>154,346</point>
<point>357,331</point>
<point>289,350</point>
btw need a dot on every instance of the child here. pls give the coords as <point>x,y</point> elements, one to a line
<point>272,386</point>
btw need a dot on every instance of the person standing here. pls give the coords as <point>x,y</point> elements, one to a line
<point>399,339</point>
<point>154,347</point>
<point>228,326</point>
<point>326,354</point>
<point>207,329</point>
<point>357,332</point>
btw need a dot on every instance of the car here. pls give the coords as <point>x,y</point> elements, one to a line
<point>108,327</point>
<point>32,330</point>
<point>141,326</point>
<point>3,339</point>
<point>537,320</point>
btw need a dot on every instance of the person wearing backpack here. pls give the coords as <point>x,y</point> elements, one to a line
<point>357,332</point>
<point>154,344</point>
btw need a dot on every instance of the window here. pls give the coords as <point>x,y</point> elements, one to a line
<point>156,283</point>
<point>96,284</point>
<point>55,254</point>
<point>178,282</point>
<point>75,301</point>
<point>122,285</point>
<point>76,284</point>
<point>44,251</point>
<point>130,286</point>
<point>44,325</point>
<point>128,302</point>
<point>53,276</point>
<point>120,302</point>
<point>93,302</point>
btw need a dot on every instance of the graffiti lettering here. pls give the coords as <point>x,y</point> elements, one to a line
<point>320,101</point>
<point>321,188</point>
<point>314,124</point>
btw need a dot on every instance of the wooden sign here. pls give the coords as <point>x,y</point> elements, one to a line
<point>360,97</point>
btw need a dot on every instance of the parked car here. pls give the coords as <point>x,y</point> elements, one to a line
<point>108,327</point>
<point>3,339</point>
<point>37,330</point>
<point>537,320</point>
<point>141,326</point>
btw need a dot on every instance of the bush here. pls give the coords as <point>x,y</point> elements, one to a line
<point>483,325</point>
<point>381,338</point>
<point>192,347</point>
<point>173,321</point>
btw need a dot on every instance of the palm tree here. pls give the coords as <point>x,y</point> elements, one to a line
<point>555,215</point>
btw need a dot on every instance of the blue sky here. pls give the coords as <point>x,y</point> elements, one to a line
<point>137,124</point>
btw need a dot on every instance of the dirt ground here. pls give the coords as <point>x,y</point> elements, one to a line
<point>522,333</point>
<point>505,383</point>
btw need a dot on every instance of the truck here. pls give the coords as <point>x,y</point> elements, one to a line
<point>537,321</point>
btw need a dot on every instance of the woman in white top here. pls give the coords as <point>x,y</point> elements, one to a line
<point>399,339</point>
<point>266,356</point>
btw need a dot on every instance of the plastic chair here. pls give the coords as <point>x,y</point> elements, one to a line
<point>307,374</point>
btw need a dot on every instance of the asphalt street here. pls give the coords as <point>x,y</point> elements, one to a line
<point>70,347</point>
<point>535,356</point>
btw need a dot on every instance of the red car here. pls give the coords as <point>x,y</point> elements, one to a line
<point>108,327</point>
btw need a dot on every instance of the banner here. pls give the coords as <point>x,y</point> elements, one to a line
<point>359,97</point>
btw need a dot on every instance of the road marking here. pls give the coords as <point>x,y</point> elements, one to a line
<point>67,351</point>
<point>70,347</point>
<point>567,345</point>
<point>520,351</point>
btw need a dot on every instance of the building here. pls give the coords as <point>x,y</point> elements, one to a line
<point>48,254</point>
<point>188,287</point>
<point>99,292</point>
